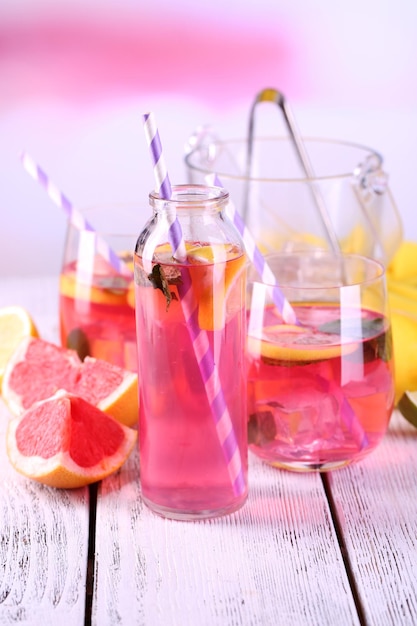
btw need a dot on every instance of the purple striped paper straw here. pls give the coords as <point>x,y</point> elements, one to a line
<point>258,259</point>
<point>201,346</point>
<point>211,380</point>
<point>73,214</point>
<point>163,185</point>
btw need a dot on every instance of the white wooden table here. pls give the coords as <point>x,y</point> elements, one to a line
<point>305,550</point>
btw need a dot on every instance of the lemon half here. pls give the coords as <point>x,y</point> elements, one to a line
<point>15,324</point>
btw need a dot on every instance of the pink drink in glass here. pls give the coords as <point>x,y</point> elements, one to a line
<point>182,464</point>
<point>319,395</point>
<point>97,314</point>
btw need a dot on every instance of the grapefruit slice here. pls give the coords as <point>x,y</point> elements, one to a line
<point>15,324</point>
<point>38,369</point>
<point>66,442</point>
<point>35,371</point>
<point>112,389</point>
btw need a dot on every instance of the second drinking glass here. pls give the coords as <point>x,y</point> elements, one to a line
<point>97,307</point>
<point>321,391</point>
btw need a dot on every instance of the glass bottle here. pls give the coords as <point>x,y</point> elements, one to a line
<point>190,326</point>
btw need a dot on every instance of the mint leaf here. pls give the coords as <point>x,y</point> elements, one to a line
<point>159,281</point>
<point>376,340</point>
<point>368,327</point>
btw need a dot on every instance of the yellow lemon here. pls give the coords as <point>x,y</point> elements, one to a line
<point>356,241</point>
<point>402,303</point>
<point>404,337</point>
<point>15,324</point>
<point>403,266</point>
<point>405,290</point>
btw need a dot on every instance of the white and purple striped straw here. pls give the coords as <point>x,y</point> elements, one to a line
<point>202,350</point>
<point>163,185</point>
<point>73,214</point>
<point>257,258</point>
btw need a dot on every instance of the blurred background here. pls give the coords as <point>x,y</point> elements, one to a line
<point>76,77</point>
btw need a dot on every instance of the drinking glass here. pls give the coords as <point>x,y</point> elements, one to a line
<point>321,391</point>
<point>97,305</point>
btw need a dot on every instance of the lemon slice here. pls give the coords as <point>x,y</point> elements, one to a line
<point>408,406</point>
<point>70,287</point>
<point>284,342</point>
<point>214,253</point>
<point>15,325</point>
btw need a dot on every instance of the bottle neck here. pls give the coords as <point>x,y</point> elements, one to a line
<point>197,199</point>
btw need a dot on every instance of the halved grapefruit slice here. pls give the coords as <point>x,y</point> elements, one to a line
<point>38,369</point>
<point>35,371</point>
<point>66,442</point>
<point>112,389</point>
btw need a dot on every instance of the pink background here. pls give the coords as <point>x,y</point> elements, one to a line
<point>75,80</point>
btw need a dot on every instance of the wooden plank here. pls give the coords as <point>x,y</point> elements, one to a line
<point>376,502</point>
<point>43,531</point>
<point>276,561</point>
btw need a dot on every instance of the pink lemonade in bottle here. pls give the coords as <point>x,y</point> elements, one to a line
<point>184,473</point>
<point>97,314</point>
<point>320,394</point>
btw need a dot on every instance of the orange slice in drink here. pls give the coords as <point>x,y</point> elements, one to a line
<point>215,273</point>
<point>287,343</point>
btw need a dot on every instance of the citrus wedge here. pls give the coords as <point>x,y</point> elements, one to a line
<point>287,343</point>
<point>38,369</point>
<point>214,272</point>
<point>15,325</point>
<point>66,442</point>
<point>35,371</point>
<point>111,291</point>
<point>408,406</point>
<point>112,389</point>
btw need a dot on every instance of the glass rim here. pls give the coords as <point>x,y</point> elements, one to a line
<point>296,179</point>
<point>380,271</point>
<point>189,195</point>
